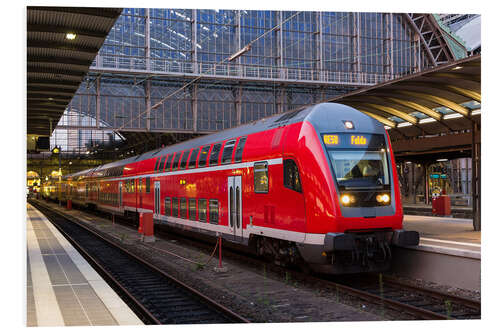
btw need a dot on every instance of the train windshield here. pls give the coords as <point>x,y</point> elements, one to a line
<point>360,169</point>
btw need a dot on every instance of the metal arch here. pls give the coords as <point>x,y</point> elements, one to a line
<point>465,92</point>
<point>418,107</point>
<point>421,37</point>
<point>386,109</point>
<point>448,88</point>
<point>381,119</point>
<point>474,78</point>
<point>432,34</point>
<point>439,100</point>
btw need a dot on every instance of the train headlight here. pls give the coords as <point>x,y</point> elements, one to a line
<point>347,199</point>
<point>383,198</point>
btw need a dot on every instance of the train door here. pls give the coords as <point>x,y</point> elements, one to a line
<point>120,194</point>
<point>157,200</point>
<point>234,207</point>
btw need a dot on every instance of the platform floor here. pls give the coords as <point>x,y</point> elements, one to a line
<point>445,233</point>
<point>62,288</point>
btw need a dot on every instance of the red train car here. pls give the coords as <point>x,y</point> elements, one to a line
<point>316,186</point>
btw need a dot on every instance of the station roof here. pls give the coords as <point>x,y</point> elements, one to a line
<point>56,64</point>
<point>443,99</point>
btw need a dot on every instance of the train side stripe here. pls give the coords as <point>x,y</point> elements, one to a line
<point>293,236</point>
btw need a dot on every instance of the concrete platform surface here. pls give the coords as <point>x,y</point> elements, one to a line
<point>447,234</point>
<point>62,288</point>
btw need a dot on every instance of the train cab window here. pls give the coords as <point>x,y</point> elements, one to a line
<point>183,205</point>
<point>214,155</point>
<point>291,176</point>
<point>239,150</point>
<point>202,210</point>
<point>192,159</point>
<point>175,165</point>
<point>214,211</point>
<point>175,207</point>
<point>169,162</point>
<point>148,184</point>
<point>168,207</point>
<point>227,153</point>
<point>192,209</point>
<point>162,163</point>
<point>260,177</point>
<point>184,159</point>
<point>203,159</point>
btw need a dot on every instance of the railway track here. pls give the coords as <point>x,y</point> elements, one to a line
<point>403,300</point>
<point>414,301</point>
<point>156,297</point>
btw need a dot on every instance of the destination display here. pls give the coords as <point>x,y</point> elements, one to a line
<point>354,140</point>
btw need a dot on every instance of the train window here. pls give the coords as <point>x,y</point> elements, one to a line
<point>183,208</point>
<point>184,159</point>
<point>175,207</point>
<point>192,160</point>
<point>169,162</point>
<point>168,207</point>
<point>202,210</point>
<point>214,211</point>
<point>291,176</point>
<point>192,209</point>
<point>260,177</point>
<point>203,160</point>
<point>239,150</point>
<point>148,185</point>
<point>162,163</point>
<point>227,153</point>
<point>214,155</point>
<point>175,165</point>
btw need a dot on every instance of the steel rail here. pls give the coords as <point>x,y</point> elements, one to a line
<point>226,311</point>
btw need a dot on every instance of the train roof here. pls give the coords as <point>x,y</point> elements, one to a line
<point>324,117</point>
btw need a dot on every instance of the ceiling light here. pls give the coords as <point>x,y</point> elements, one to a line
<point>442,160</point>
<point>452,116</point>
<point>426,120</point>
<point>70,36</point>
<point>456,68</point>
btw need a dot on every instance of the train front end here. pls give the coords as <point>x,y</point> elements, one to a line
<point>364,216</point>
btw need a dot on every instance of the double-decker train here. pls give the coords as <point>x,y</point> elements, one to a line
<point>316,186</point>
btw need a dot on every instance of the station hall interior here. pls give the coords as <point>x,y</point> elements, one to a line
<point>127,81</point>
<point>108,84</point>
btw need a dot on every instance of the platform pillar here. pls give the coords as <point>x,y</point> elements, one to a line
<point>476,178</point>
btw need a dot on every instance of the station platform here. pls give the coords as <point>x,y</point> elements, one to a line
<point>449,252</point>
<point>445,233</point>
<point>62,288</point>
<point>464,212</point>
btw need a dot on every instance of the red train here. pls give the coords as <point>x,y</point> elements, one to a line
<point>315,186</point>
